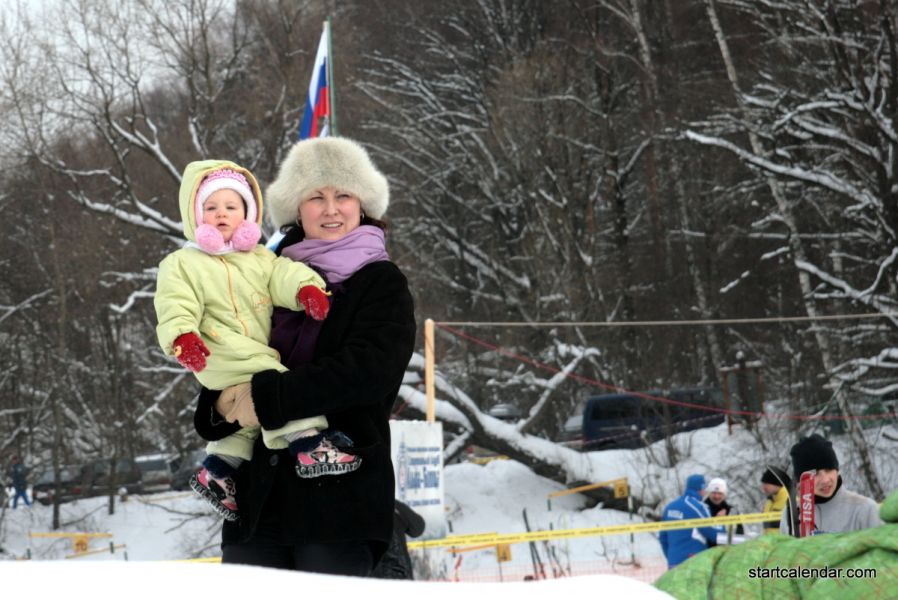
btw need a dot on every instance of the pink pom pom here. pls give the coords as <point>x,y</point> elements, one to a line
<point>246,236</point>
<point>209,238</point>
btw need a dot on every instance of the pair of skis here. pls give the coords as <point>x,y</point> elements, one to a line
<point>805,503</point>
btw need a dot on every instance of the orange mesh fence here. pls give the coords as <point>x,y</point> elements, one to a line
<point>647,570</point>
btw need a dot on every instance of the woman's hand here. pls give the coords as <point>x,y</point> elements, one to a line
<point>235,404</point>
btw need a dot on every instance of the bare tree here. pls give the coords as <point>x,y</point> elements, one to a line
<point>807,136</point>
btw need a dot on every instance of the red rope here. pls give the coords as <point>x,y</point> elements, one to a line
<point>617,389</point>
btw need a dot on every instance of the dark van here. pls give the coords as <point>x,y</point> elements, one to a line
<point>630,420</point>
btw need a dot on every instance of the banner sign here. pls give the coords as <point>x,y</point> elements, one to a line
<point>417,451</point>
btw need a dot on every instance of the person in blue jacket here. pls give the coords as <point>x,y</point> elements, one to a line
<point>679,544</point>
<point>18,473</point>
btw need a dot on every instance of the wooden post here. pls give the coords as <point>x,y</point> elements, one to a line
<point>428,370</point>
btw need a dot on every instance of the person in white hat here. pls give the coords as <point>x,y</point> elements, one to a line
<point>329,200</point>
<point>715,498</point>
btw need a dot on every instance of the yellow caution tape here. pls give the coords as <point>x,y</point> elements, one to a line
<point>558,534</point>
<point>613,482</point>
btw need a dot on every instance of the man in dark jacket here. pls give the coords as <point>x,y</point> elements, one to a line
<point>396,562</point>
<point>19,475</point>
<point>715,498</point>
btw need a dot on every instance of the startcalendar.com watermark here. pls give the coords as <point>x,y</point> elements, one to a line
<point>811,573</point>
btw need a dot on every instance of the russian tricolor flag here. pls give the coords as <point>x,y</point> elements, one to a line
<point>317,101</point>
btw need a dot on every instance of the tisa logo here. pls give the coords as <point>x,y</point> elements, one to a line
<point>807,505</point>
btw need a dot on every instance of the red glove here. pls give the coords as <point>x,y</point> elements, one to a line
<point>191,352</point>
<point>314,301</point>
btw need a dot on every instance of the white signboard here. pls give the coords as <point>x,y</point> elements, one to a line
<point>417,451</point>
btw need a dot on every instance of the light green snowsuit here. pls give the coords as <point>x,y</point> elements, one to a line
<point>228,299</point>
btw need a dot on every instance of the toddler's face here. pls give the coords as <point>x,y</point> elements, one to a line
<point>224,210</point>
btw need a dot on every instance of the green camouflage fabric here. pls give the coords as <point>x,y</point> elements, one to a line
<point>780,567</point>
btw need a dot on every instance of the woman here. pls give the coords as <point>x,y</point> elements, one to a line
<point>328,197</point>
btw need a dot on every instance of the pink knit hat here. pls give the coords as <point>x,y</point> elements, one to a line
<point>247,234</point>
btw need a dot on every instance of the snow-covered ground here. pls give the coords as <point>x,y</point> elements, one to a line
<point>140,580</point>
<point>174,526</point>
<point>479,499</point>
<point>493,497</point>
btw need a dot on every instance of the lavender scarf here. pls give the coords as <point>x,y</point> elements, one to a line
<point>339,259</point>
<point>292,334</point>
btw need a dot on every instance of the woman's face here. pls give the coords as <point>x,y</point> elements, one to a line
<point>329,214</point>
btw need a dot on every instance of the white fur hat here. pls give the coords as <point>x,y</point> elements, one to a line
<point>320,162</point>
<point>717,485</point>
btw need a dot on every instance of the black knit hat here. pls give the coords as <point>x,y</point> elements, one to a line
<point>776,476</point>
<point>813,452</point>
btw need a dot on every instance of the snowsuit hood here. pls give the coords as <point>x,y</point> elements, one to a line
<point>194,173</point>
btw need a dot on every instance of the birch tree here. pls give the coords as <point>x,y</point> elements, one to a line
<point>820,135</point>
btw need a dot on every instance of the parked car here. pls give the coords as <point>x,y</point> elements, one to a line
<point>187,466</point>
<point>126,475</point>
<point>155,472</point>
<point>71,485</point>
<point>631,420</point>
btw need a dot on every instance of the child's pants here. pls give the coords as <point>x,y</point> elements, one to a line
<point>240,444</point>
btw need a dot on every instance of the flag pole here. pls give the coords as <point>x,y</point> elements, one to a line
<point>331,88</point>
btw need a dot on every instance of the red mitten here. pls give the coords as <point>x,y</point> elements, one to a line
<point>314,301</point>
<point>191,352</point>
